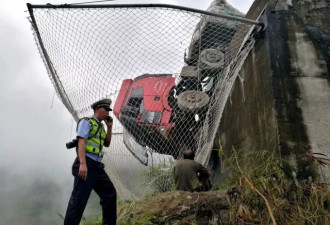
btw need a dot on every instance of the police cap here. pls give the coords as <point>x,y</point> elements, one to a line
<point>105,103</point>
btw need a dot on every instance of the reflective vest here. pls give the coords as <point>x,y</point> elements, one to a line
<point>95,140</point>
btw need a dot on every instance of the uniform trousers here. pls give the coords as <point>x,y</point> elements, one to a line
<point>97,180</point>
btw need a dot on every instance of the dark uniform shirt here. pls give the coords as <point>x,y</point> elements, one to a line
<point>185,174</point>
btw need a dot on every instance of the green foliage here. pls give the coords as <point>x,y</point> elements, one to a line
<point>224,185</point>
<point>129,220</point>
<point>159,178</point>
<point>268,195</point>
<point>92,221</point>
<point>97,220</point>
<point>141,221</point>
<point>61,216</point>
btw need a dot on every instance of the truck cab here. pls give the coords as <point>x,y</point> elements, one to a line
<point>147,108</point>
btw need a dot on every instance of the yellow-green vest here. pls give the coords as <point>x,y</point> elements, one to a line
<point>97,135</point>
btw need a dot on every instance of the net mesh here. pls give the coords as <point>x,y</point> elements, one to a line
<point>169,73</point>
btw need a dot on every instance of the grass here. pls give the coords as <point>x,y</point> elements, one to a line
<point>269,196</point>
<point>261,193</point>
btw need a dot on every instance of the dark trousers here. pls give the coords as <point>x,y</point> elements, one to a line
<point>204,184</point>
<point>99,181</point>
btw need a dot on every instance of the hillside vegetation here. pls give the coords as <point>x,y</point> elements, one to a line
<point>258,192</point>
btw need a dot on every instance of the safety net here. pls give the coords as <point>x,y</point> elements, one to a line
<point>168,71</point>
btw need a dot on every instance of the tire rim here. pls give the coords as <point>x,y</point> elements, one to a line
<point>193,97</point>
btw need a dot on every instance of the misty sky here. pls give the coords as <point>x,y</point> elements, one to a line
<point>34,125</point>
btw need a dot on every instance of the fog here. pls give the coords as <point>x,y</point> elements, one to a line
<point>35,166</point>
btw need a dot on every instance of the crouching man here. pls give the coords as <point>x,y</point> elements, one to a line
<point>190,175</point>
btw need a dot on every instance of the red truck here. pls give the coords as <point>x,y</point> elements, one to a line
<point>159,114</point>
<point>167,117</point>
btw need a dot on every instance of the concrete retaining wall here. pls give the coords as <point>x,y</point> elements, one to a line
<point>281,100</point>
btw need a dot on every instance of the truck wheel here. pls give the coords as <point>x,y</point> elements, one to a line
<point>211,59</point>
<point>193,100</point>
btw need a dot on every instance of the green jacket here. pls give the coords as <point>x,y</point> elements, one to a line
<point>186,175</point>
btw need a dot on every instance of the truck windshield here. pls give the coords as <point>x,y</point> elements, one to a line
<point>132,107</point>
<point>135,98</point>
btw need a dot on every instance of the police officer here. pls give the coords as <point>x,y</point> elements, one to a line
<point>88,170</point>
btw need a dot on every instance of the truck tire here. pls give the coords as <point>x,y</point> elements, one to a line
<point>211,59</point>
<point>193,100</point>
